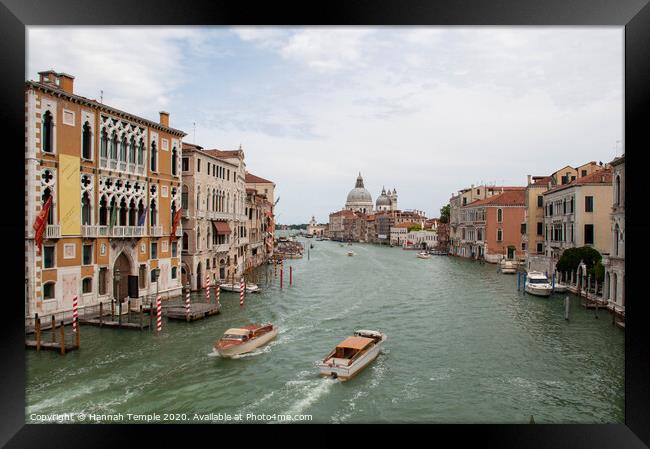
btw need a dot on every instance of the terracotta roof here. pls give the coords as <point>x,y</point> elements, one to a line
<point>405,225</point>
<point>507,198</point>
<point>344,212</point>
<point>191,146</point>
<point>603,176</point>
<point>542,179</point>
<point>251,178</point>
<point>223,154</point>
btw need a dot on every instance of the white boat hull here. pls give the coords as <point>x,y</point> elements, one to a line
<point>250,288</point>
<point>539,291</point>
<point>347,372</point>
<point>249,345</point>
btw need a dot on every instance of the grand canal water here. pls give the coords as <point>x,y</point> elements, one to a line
<point>463,347</point>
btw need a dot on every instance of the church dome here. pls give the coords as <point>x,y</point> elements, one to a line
<point>383,200</point>
<point>359,195</point>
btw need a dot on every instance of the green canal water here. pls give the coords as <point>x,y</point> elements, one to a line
<point>463,347</point>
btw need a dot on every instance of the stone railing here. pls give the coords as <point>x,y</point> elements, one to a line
<point>156,231</point>
<point>53,232</point>
<point>222,248</point>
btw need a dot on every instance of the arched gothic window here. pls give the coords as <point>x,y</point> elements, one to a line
<point>184,197</point>
<point>86,209</point>
<point>141,152</point>
<point>46,194</point>
<point>132,150</point>
<point>86,142</point>
<point>174,162</point>
<point>152,213</point>
<point>48,132</point>
<point>123,149</point>
<point>103,147</point>
<point>114,145</point>
<point>103,211</point>
<point>154,155</point>
<point>186,239</point>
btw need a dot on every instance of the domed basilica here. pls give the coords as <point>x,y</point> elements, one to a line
<point>360,200</point>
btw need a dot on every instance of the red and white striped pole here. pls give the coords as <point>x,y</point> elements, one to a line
<point>241,291</point>
<point>158,313</point>
<point>75,313</point>
<point>207,287</point>
<point>217,291</point>
<point>188,307</point>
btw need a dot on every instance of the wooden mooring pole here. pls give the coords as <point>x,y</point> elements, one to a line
<point>101,313</point>
<point>37,331</point>
<point>290,275</point>
<point>77,339</point>
<point>62,338</point>
<point>566,308</point>
<point>53,329</point>
<point>112,310</point>
<point>280,277</point>
<point>140,316</point>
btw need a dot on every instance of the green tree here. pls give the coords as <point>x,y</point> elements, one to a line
<point>444,213</point>
<point>416,227</point>
<point>571,258</point>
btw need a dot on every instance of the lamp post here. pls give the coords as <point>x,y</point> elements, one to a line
<point>116,283</point>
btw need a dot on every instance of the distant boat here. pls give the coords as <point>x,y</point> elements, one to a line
<point>350,253</point>
<point>560,288</point>
<point>424,255</point>
<point>352,355</point>
<point>250,287</point>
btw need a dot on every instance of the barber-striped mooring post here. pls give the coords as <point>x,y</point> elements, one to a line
<point>207,287</point>
<point>217,292</point>
<point>188,307</point>
<point>159,313</point>
<point>75,313</point>
<point>241,291</point>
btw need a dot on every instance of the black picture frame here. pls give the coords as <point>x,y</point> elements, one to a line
<point>634,15</point>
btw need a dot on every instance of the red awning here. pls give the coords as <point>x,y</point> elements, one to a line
<point>221,227</point>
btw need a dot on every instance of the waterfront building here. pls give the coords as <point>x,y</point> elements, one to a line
<point>114,180</point>
<point>614,259</point>
<point>532,227</point>
<point>214,218</point>
<point>359,199</point>
<point>371,229</point>
<point>578,214</point>
<point>443,237</point>
<point>399,232</point>
<point>313,228</point>
<point>258,228</point>
<point>347,225</point>
<point>383,222</point>
<point>490,228</point>
<point>462,198</point>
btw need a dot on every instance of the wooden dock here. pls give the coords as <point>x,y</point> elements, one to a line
<point>198,311</point>
<point>103,322</point>
<point>53,346</point>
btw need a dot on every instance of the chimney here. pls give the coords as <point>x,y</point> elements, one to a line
<point>47,77</point>
<point>528,179</point>
<point>66,83</point>
<point>164,118</point>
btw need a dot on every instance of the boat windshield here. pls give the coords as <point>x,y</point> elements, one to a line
<point>538,281</point>
<point>233,337</point>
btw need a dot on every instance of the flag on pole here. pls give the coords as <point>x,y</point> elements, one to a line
<point>113,215</point>
<point>143,216</point>
<point>41,223</point>
<point>177,219</point>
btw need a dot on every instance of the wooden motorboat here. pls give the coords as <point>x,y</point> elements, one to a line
<point>350,253</point>
<point>249,287</point>
<point>240,340</point>
<point>538,284</point>
<point>352,354</point>
<point>424,255</point>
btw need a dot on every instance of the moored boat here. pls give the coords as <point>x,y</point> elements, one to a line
<point>250,287</point>
<point>538,284</point>
<point>424,255</point>
<point>352,354</point>
<point>240,340</point>
<point>508,267</point>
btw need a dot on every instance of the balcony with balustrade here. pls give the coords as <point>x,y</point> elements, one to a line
<point>156,231</point>
<point>53,232</point>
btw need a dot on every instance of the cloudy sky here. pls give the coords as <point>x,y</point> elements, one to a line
<point>426,110</point>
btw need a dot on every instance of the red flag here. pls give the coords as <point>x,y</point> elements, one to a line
<point>40,223</point>
<point>177,219</point>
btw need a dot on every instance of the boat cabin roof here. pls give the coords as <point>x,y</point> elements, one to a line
<point>355,343</point>
<point>536,275</point>
<point>237,331</point>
